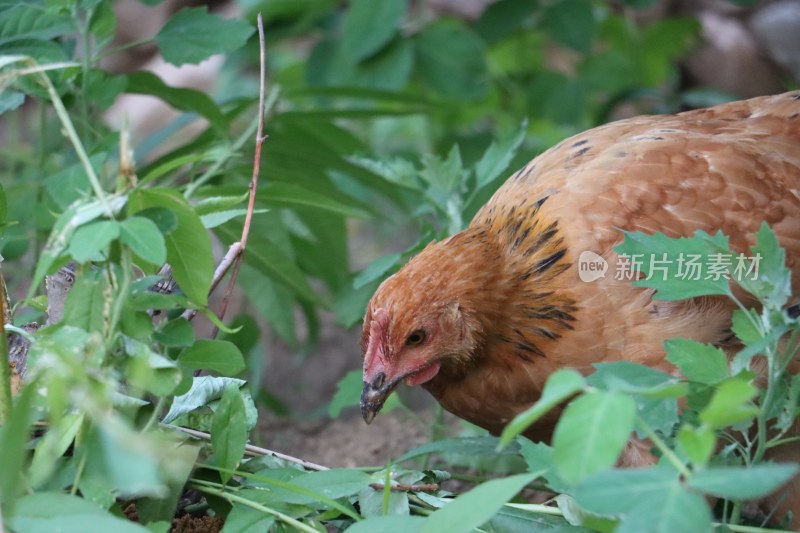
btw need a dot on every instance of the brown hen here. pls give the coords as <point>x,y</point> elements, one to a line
<point>481,319</point>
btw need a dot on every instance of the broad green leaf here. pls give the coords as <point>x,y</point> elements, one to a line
<point>743,483</point>
<point>677,268</point>
<point>698,362</point>
<point>229,431</point>
<point>89,240</point>
<point>498,156</point>
<point>52,446</point>
<point>144,239</point>
<point>46,512</point>
<point>175,333</point>
<point>151,371</point>
<point>220,356</point>
<point>389,69</point>
<point>773,282</point>
<point>376,269</point>
<point>218,218</point>
<point>475,507</point>
<point>591,433</point>
<point>281,194</point>
<point>744,325</point>
<point>13,451</point>
<point>730,404</point>
<point>126,461</point>
<point>615,492</point>
<point>180,98</point>
<point>676,510</point>
<point>624,376</point>
<point>332,484</point>
<point>502,18</point>
<point>451,59</point>
<point>468,446</point>
<point>27,20</point>
<point>204,390</point>
<point>370,25</point>
<point>388,524</point>
<point>192,35</point>
<point>559,387</point>
<point>539,457</point>
<point>698,443</point>
<point>371,502</point>
<point>245,519</point>
<point>188,245</point>
<point>9,101</point>
<point>571,23</point>
<point>88,302</point>
<point>272,261</point>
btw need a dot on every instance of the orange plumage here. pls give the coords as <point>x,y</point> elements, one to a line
<point>481,319</point>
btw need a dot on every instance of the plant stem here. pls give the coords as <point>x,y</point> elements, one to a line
<point>210,488</point>
<point>5,369</point>
<point>664,449</point>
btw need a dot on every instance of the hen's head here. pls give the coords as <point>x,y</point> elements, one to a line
<point>423,318</point>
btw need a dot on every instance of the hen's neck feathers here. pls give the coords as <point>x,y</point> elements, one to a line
<point>504,272</point>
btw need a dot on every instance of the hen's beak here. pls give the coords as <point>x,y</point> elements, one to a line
<point>374,395</point>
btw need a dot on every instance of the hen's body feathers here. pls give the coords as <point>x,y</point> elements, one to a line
<point>509,283</point>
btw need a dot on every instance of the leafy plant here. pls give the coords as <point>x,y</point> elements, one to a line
<point>111,419</point>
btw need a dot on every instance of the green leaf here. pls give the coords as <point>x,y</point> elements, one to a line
<point>743,483</point>
<point>272,261</point>
<point>204,390</point>
<point>13,451</point>
<point>87,302</point>
<point>388,524</point>
<point>192,35</point>
<point>698,362</point>
<point>89,240</point>
<point>149,370</point>
<point>475,507</point>
<point>9,101</point>
<point>730,404</point>
<point>220,356</point>
<point>677,268</point>
<point>632,378</point>
<point>571,23</point>
<point>451,59</point>
<point>175,333</point>
<point>675,510</point>
<point>698,443</point>
<point>560,386</point>
<point>468,446</point>
<point>370,25</point>
<point>281,194</point>
<point>332,484</point>
<point>27,20</point>
<point>744,325</point>
<point>773,284</point>
<point>376,269</point>
<point>144,239</point>
<point>45,512</point>
<point>179,98</point>
<point>498,156</point>
<point>188,245</point>
<point>591,433</point>
<point>229,431</point>
<point>218,218</point>
<point>615,492</point>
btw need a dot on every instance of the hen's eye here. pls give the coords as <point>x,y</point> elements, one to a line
<point>416,337</point>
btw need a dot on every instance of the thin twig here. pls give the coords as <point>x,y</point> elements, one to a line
<point>402,487</point>
<point>254,182</point>
<point>253,450</point>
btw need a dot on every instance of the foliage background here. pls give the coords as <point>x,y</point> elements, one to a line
<point>389,124</point>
